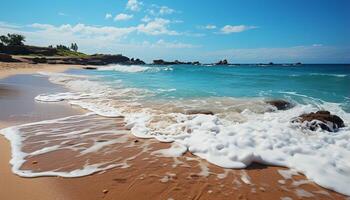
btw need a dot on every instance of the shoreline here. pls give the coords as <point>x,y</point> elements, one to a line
<point>194,178</point>
<point>10,69</point>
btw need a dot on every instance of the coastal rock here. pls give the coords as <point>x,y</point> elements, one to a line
<point>90,68</point>
<point>321,119</point>
<point>195,112</point>
<point>26,50</point>
<point>6,58</point>
<point>280,104</point>
<point>39,60</point>
<point>133,61</point>
<point>222,62</point>
<point>176,62</point>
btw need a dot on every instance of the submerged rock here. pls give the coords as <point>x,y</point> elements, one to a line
<point>321,119</point>
<point>280,104</point>
<point>195,112</point>
<point>90,67</point>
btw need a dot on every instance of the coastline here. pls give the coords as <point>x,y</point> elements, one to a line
<point>194,178</point>
<point>10,69</point>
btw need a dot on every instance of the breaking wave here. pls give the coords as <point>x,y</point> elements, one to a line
<point>133,68</point>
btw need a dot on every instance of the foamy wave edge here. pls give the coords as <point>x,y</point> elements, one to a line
<point>133,68</point>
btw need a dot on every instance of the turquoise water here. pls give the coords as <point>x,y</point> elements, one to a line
<point>330,83</point>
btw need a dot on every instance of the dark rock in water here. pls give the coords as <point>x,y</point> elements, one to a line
<point>203,112</point>
<point>321,119</point>
<point>133,61</point>
<point>222,62</point>
<point>280,104</point>
<point>176,62</point>
<point>90,67</point>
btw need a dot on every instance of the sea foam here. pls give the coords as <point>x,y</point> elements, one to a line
<point>133,68</point>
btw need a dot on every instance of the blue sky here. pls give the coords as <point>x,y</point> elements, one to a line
<point>243,31</point>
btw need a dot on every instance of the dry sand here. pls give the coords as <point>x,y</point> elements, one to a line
<point>146,176</point>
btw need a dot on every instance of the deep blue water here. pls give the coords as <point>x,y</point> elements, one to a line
<point>326,82</point>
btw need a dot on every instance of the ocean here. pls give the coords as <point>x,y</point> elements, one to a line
<point>156,102</point>
<point>330,83</point>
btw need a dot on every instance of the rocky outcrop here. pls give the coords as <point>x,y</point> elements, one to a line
<point>39,60</point>
<point>6,58</point>
<point>133,61</point>
<point>98,59</point>
<point>222,62</point>
<point>320,120</point>
<point>176,62</point>
<point>90,68</point>
<point>27,50</point>
<point>280,104</point>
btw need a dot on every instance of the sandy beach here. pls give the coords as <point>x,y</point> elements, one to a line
<point>9,69</point>
<point>142,173</point>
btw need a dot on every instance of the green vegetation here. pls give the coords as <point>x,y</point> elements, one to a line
<point>12,40</point>
<point>16,41</point>
<point>69,53</point>
<point>63,50</point>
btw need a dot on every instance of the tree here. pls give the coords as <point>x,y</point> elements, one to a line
<point>74,47</point>
<point>3,40</point>
<point>62,47</point>
<point>12,39</point>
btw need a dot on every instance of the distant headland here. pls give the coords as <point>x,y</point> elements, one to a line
<point>13,49</point>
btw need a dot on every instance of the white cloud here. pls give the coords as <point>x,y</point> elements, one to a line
<point>209,27</point>
<point>146,19</point>
<point>158,26</point>
<point>165,10</point>
<point>111,39</point>
<point>156,10</point>
<point>317,45</point>
<point>236,29</point>
<point>81,31</point>
<point>134,5</point>
<point>122,17</point>
<point>108,16</point>
<point>172,45</point>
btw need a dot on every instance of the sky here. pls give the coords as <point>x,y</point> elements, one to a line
<point>242,31</point>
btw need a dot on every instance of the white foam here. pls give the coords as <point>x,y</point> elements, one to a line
<point>124,68</point>
<point>133,68</point>
<point>303,193</point>
<point>334,75</point>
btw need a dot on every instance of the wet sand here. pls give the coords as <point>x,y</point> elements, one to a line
<point>144,175</point>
